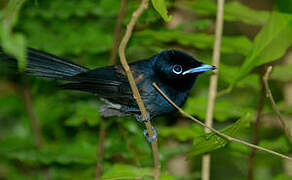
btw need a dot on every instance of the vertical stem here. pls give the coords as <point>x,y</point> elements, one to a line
<point>206,162</point>
<point>250,174</point>
<point>32,117</point>
<point>136,94</point>
<point>117,35</point>
<point>112,60</point>
<point>287,94</point>
<point>100,148</point>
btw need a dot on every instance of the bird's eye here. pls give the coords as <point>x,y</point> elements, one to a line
<point>177,69</point>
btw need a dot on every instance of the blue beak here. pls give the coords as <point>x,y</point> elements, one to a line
<point>202,68</point>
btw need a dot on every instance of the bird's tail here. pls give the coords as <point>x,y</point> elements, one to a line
<point>46,65</point>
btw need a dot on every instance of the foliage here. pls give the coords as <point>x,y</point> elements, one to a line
<point>83,32</point>
<point>269,44</point>
<point>282,73</point>
<point>230,44</point>
<point>14,44</point>
<point>119,171</point>
<point>233,11</point>
<point>210,142</point>
<point>160,7</point>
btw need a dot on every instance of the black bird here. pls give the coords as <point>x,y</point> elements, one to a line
<point>174,71</point>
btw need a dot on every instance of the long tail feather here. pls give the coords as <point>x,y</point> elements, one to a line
<point>46,65</point>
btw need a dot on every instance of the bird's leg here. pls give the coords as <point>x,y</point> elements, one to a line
<point>140,118</point>
<point>151,139</point>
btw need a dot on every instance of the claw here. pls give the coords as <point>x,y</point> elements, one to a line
<point>151,139</point>
<point>140,118</point>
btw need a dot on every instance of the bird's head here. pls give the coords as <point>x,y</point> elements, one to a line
<point>179,69</point>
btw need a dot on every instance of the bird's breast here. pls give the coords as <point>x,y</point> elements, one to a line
<point>156,104</point>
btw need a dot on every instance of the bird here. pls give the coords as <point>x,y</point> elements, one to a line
<point>174,71</point>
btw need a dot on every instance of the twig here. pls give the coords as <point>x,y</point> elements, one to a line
<point>136,95</point>
<point>32,118</point>
<point>270,96</point>
<point>118,30</point>
<point>206,161</point>
<point>100,147</point>
<point>112,60</point>
<point>250,172</point>
<point>218,132</point>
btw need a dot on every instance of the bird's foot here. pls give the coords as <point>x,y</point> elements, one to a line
<point>140,118</point>
<point>151,139</point>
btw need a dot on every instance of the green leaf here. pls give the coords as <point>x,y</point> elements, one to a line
<point>284,6</point>
<point>211,141</point>
<point>161,8</point>
<point>122,171</point>
<point>282,177</point>
<point>68,9</point>
<point>287,109</point>
<point>282,73</point>
<point>68,41</point>
<point>280,144</point>
<point>202,24</point>
<point>182,133</point>
<point>231,71</point>
<point>12,43</point>
<point>78,152</point>
<point>269,44</point>
<point>166,177</point>
<point>233,11</point>
<point>85,112</point>
<point>230,44</point>
<point>224,110</point>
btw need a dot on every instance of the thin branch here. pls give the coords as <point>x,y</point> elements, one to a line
<point>112,60</point>
<point>218,132</point>
<point>270,96</point>
<point>117,35</point>
<point>136,95</point>
<point>100,148</point>
<point>38,138</point>
<point>206,161</point>
<point>250,172</point>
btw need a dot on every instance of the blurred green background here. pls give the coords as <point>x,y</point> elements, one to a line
<point>256,33</point>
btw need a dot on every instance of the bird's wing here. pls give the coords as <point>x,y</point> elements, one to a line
<point>108,82</point>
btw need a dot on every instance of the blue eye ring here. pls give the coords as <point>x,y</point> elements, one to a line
<point>177,69</point>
